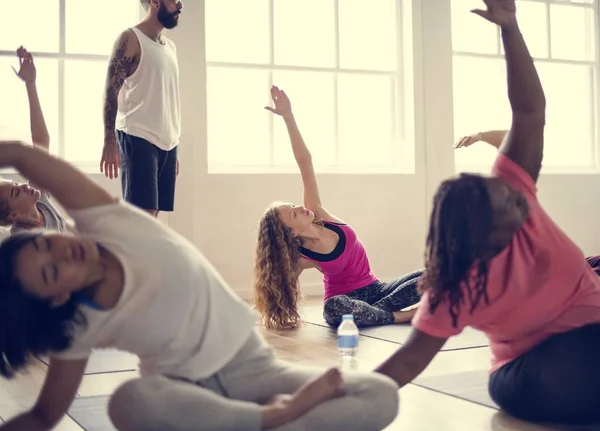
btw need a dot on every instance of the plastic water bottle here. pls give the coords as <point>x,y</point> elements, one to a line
<point>348,342</point>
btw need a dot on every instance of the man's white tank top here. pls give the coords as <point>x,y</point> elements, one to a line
<point>149,105</point>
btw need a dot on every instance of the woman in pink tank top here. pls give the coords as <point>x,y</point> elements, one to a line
<point>294,238</point>
<point>497,262</point>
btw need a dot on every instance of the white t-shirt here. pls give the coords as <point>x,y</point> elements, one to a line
<point>176,312</point>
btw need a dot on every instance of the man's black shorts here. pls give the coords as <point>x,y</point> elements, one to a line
<point>148,173</point>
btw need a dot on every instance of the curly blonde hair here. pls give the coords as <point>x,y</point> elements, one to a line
<point>5,209</point>
<point>276,286</point>
<point>4,213</point>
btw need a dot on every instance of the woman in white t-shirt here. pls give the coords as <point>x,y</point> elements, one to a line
<point>132,283</point>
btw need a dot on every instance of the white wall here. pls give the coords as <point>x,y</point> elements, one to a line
<point>219,213</point>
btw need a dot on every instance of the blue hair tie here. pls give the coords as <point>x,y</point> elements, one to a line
<point>84,299</point>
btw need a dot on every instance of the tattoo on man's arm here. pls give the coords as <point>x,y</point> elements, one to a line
<point>118,69</point>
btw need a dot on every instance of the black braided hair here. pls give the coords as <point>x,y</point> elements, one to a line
<point>459,235</point>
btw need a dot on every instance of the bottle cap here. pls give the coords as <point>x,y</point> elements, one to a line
<point>347,317</point>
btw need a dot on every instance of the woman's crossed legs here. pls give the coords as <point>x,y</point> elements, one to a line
<point>379,303</point>
<point>233,398</point>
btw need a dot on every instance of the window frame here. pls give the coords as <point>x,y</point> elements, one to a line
<point>62,56</point>
<point>402,151</point>
<point>594,168</point>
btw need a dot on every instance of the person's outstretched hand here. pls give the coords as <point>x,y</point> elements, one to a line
<point>26,66</point>
<point>501,12</point>
<point>282,103</point>
<point>467,141</point>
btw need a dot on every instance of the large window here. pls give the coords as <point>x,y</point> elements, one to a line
<point>338,60</point>
<point>561,36</point>
<point>71,41</point>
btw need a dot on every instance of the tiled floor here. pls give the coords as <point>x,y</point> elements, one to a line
<point>420,409</point>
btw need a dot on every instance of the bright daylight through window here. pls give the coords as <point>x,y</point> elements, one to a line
<point>343,83</point>
<point>70,41</point>
<point>561,36</point>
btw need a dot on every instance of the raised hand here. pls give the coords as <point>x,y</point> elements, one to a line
<point>26,66</point>
<point>282,103</point>
<point>501,12</point>
<point>466,141</point>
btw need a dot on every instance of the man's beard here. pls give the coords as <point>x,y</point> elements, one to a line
<point>167,19</point>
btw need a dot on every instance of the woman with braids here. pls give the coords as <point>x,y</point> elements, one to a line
<point>129,282</point>
<point>497,262</point>
<point>495,139</point>
<point>293,238</point>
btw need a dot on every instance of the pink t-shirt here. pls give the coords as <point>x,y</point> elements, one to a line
<point>347,267</point>
<point>539,285</point>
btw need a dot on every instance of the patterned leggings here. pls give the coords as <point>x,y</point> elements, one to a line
<point>594,262</point>
<point>374,304</point>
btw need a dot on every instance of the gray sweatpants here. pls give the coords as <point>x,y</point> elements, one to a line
<point>230,399</point>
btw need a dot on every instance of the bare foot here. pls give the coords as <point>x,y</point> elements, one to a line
<point>280,399</point>
<point>404,316</point>
<point>283,408</point>
<point>327,386</point>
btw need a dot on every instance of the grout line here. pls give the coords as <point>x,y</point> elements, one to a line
<point>453,396</point>
<point>401,344</point>
<point>109,372</point>
<point>76,422</point>
<point>95,396</point>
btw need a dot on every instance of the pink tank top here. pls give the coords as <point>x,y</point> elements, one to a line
<point>347,267</point>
